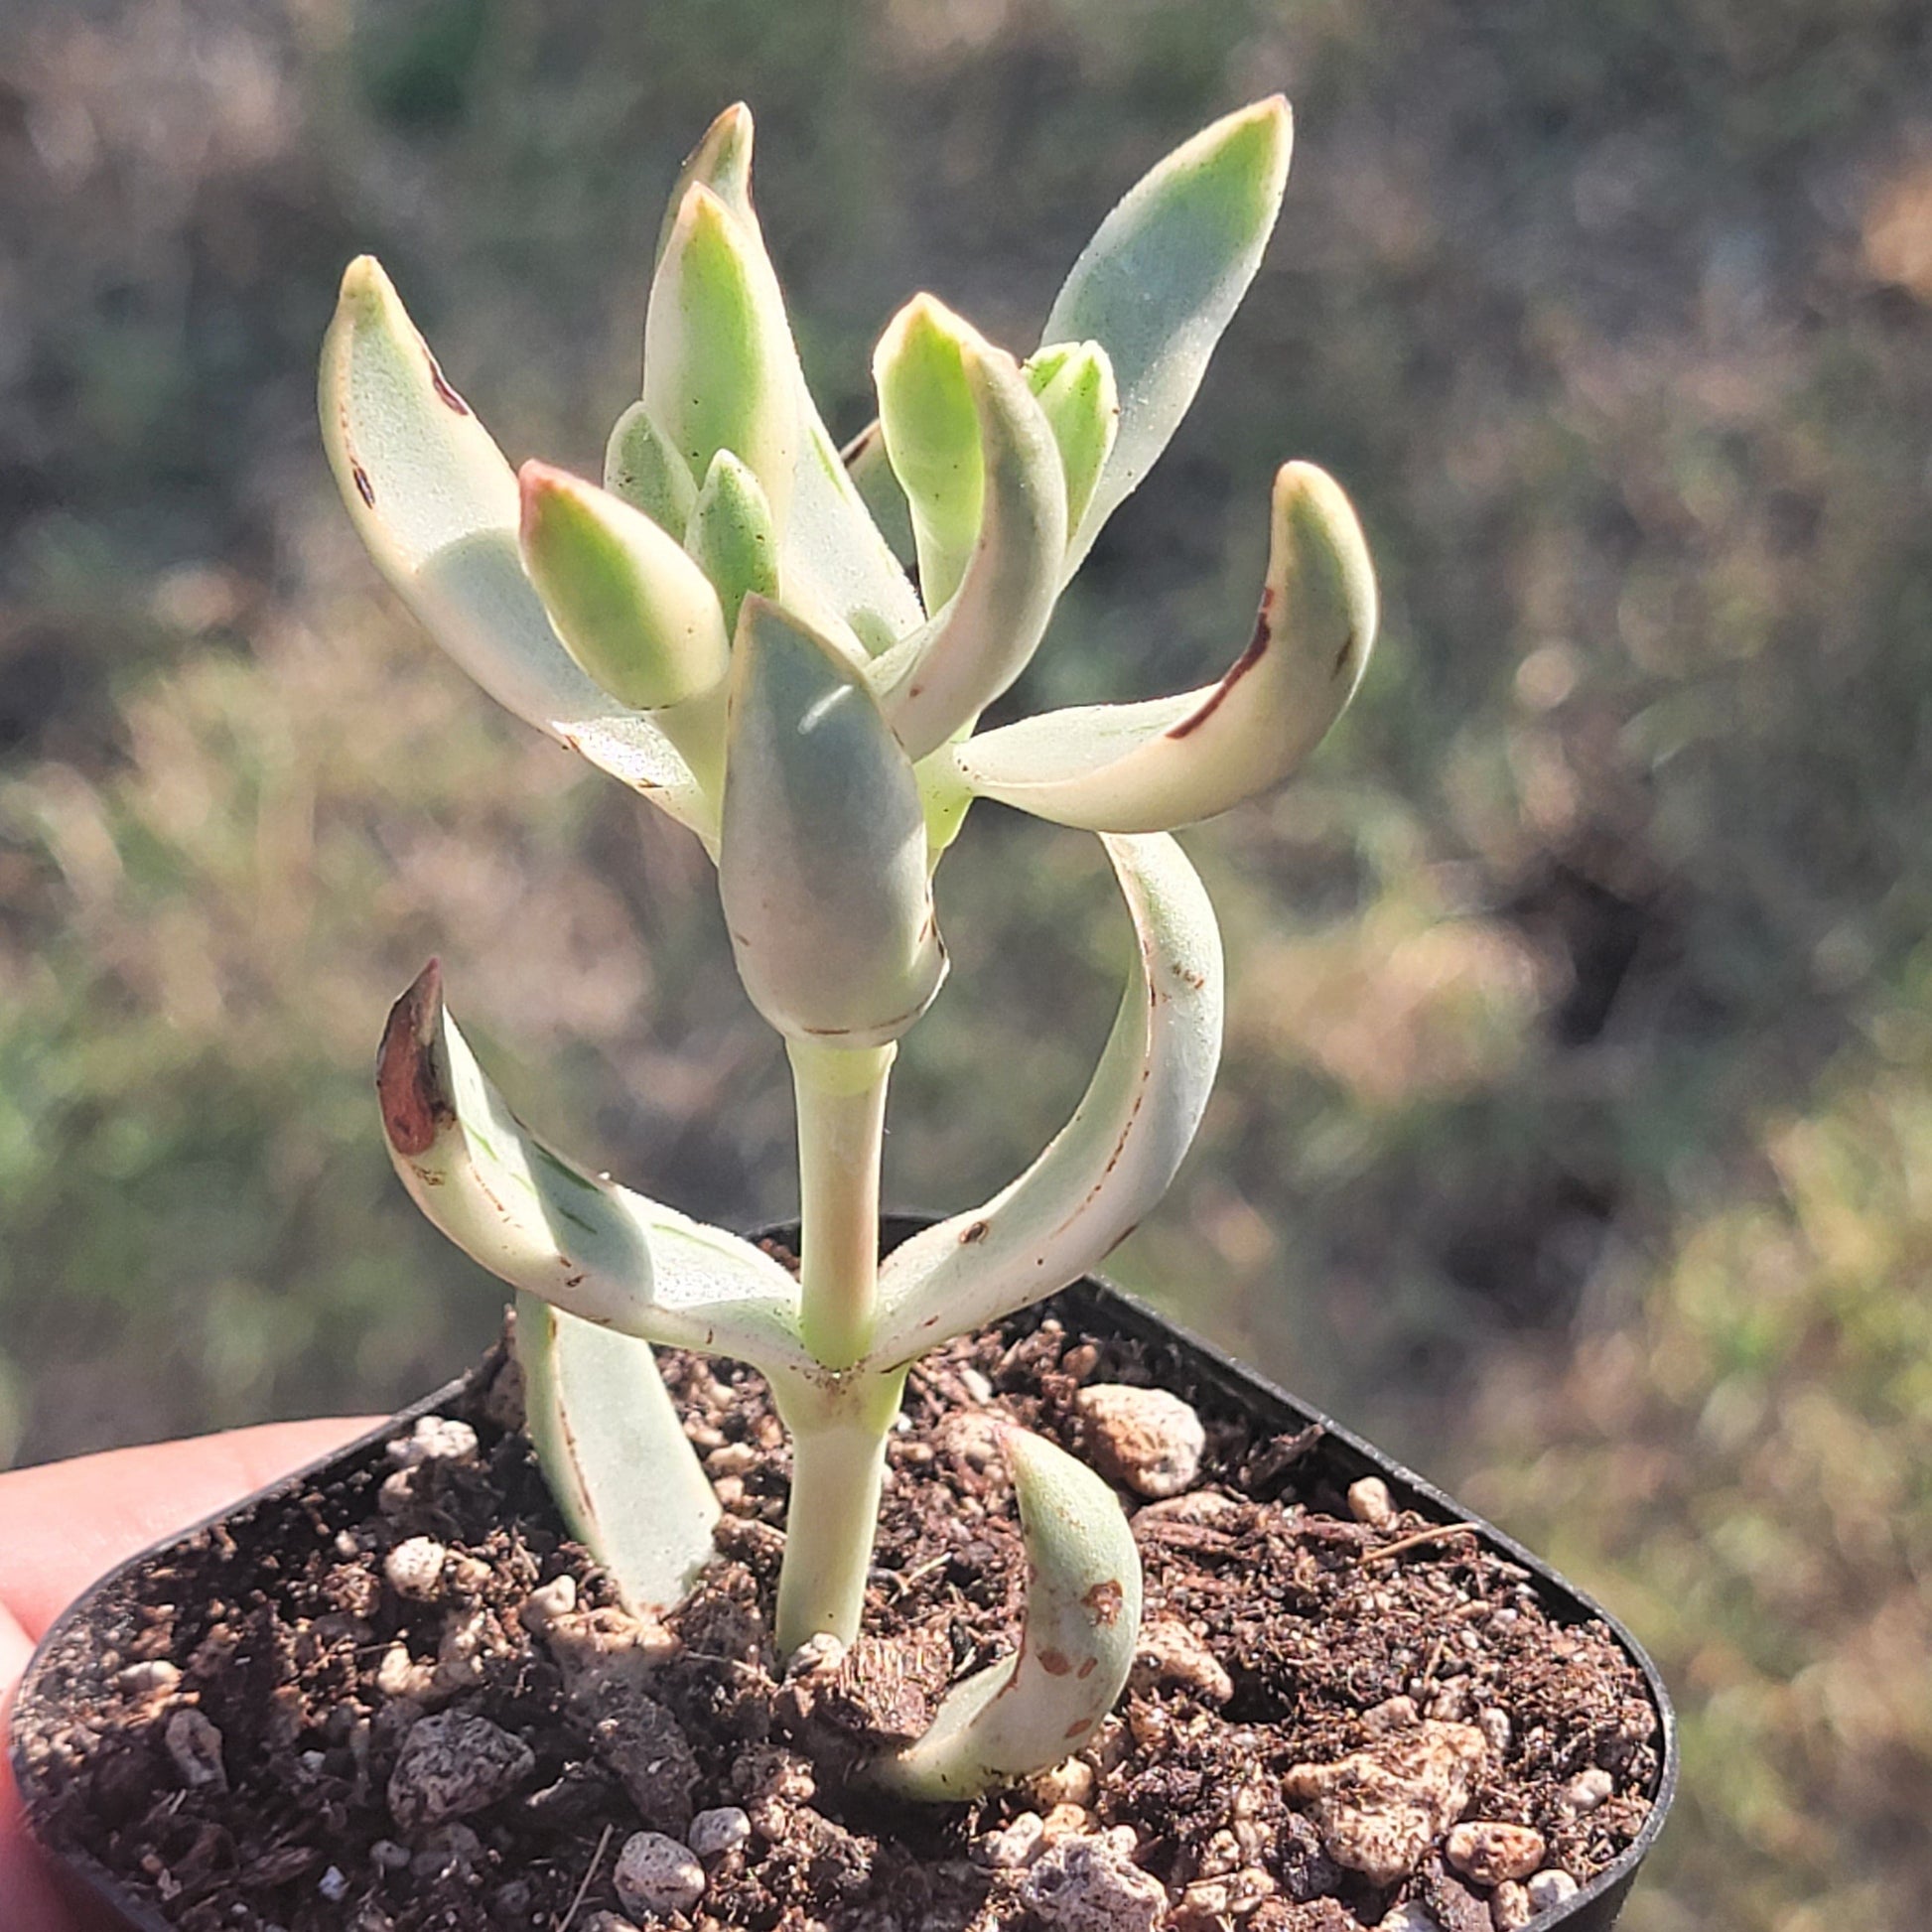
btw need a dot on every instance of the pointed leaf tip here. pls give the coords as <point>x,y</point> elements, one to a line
<point>634,609</point>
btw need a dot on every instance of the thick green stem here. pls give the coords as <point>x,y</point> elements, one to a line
<point>841,1104</point>
<point>838,1456</point>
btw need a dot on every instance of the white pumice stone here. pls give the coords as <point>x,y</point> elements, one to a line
<point>1550,1887</point>
<point>714,1833</point>
<point>195,1746</point>
<point>1586,1791</point>
<point>414,1568</point>
<point>434,1439</point>
<point>658,1875</point>
<point>547,1602</point>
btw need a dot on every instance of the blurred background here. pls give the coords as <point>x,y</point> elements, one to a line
<point>1576,1134</point>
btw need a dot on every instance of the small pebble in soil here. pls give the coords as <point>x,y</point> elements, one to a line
<point>434,1439</point>
<point>1510,1908</point>
<point>1168,1653</point>
<point>1369,1502</point>
<point>1016,1844</point>
<point>157,1679</point>
<point>1380,1809</point>
<point>1410,1917</point>
<point>451,1764</point>
<point>1490,1850</point>
<point>334,1884</point>
<point>716,1833</point>
<point>1585,1792</point>
<point>1146,1439</point>
<point>547,1602</point>
<point>1084,1884</point>
<point>607,1922</point>
<point>1549,1887</point>
<point>656,1874</point>
<point>1071,1783</point>
<point>1495,1727</point>
<point>414,1568</point>
<point>195,1746</point>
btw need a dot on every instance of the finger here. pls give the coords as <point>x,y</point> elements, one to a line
<point>64,1524</point>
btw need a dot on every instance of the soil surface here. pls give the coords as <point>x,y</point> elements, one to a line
<point>403,1700</point>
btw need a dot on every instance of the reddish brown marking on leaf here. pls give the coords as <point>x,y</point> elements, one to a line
<point>441,385</point>
<point>408,1084</point>
<point>363,487</point>
<point>1087,1669</point>
<point>1079,1727</point>
<point>1342,656</point>
<point>1242,665</point>
<point>859,445</point>
<point>1106,1602</point>
<point>1056,1663</point>
<point>977,1232</point>
<point>573,1281</point>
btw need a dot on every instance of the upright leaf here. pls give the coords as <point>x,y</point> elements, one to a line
<point>940,680</point>
<point>642,468</point>
<point>720,369</point>
<point>1141,768</point>
<point>840,573</point>
<point>821,859</point>
<point>1074,384</point>
<point>1162,275</point>
<point>731,536</point>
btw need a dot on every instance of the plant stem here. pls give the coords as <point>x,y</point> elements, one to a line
<point>841,1104</point>
<point>838,1456</point>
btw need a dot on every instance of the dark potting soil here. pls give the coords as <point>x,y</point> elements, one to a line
<point>234,1757</point>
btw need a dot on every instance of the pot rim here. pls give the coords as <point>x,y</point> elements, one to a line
<point>1592,1908</point>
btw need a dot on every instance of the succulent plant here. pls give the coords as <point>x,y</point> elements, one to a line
<point>723,626</point>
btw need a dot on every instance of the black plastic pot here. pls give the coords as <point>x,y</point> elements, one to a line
<point>75,1655</point>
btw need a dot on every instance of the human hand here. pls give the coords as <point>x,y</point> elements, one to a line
<point>64,1524</point>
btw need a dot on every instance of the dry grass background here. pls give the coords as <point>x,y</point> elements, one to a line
<point>1577,1133</point>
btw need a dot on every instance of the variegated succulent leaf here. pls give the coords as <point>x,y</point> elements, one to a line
<point>436,502</point>
<point>643,468</point>
<point>1074,384</point>
<point>822,850</point>
<point>733,536</point>
<point>541,1224</point>
<point>840,573</point>
<point>935,683</point>
<point>613,1449</point>
<point>1113,1160</point>
<point>635,610</point>
<point>1080,1626</point>
<point>1160,279</point>
<point>1173,761</point>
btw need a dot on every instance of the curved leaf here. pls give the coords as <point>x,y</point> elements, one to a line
<point>940,680</point>
<point>821,854</point>
<point>839,572</point>
<point>432,498</point>
<point>1076,1645</point>
<point>614,1454</point>
<point>1162,275</point>
<point>1172,760</point>
<point>535,1220</point>
<point>1113,1160</point>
